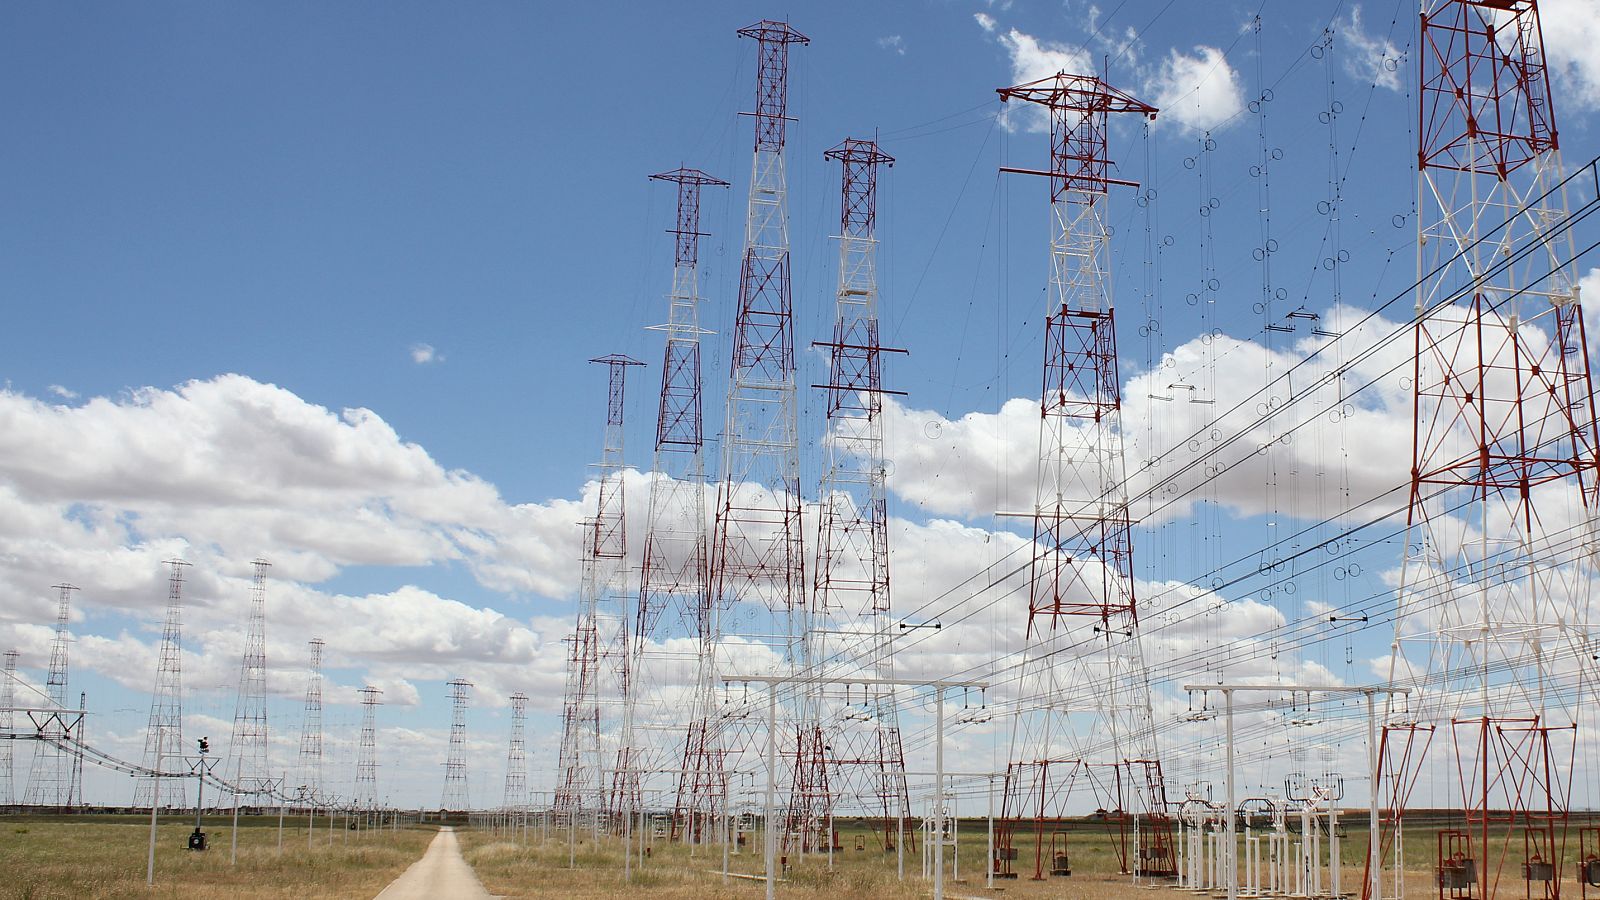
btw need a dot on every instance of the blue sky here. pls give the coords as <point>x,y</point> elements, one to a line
<point>226,226</point>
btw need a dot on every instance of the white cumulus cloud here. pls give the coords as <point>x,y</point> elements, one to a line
<point>1370,57</point>
<point>1200,91</point>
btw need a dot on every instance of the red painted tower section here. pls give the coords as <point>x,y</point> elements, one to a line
<point>1504,464</point>
<point>1081,592</point>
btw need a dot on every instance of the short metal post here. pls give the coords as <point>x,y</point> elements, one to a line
<point>772,785</point>
<point>938,797</point>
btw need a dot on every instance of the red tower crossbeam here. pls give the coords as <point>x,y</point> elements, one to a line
<point>1485,89</point>
<point>1079,107</point>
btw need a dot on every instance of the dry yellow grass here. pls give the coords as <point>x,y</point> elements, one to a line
<point>540,870</point>
<point>104,857</point>
<point>508,868</point>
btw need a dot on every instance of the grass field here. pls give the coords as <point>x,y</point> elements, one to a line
<point>104,857</point>
<point>539,869</point>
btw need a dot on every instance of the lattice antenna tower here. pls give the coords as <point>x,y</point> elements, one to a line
<point>163,744</point>
<point>758,549</point>
<point>580,786</point>
<point>1085,714</point>
<point>311,727</point>
<point>1504,460</point>
<point>248,747</point>
<point>50,778</point>
<point>75,785</point>
<point>516,793</point>
<point>455,767</point>
<point>616,610</point>
<point>676,552</point>
<point>366,789</point>
<point>852,761</point>
<point>8,700</point>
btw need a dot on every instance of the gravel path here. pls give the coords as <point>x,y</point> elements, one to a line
<point>441,874</point>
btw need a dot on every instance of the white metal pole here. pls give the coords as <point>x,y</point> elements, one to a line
<point>233,855</point>
<point>155,803</point>
<point>1228,853</point>
<point>1374,863</point>
<point>772,785</point>
<point>900,841</point>
<point>988,882</point>
<point>938,797</point>
<point>830,839</point>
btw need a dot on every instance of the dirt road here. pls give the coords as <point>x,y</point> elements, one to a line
<point>441,874</point>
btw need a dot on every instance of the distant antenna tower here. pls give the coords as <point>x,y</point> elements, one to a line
<point>455,767</point>
<point>367,752</point>
<point>852,754</point>
<point>311,728</point>
<point>579,785</point>
<point>8,699</point>
<point>249,744</point>
<point>675,546</point>
<point>163,743</point>
<point>1083,625</point>
<point>516,757</point>
<point>50,780</point>
<point>757,544</point>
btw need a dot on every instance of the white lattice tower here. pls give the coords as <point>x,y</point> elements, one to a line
<point>8,700</point>
<point>1083,716</point>
<point>366,788</point>
<point>163,744</point>
<point>310,775</point>
<point>455,797</point>
<point>758,548</point>
<point>598,653</point>
<point>851,762</point>
<point>50,777</point>
<point>674,573</point>
<point>1496,581</point>
<point>516,792</point>
<point>247,749</point>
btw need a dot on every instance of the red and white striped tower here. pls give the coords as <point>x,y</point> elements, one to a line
<point>758,589</point>
<point>676,553</point>
<point>600,635</point>
<point>1083,715</point>
<point>851,758</point>
<point>1495,584</point>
